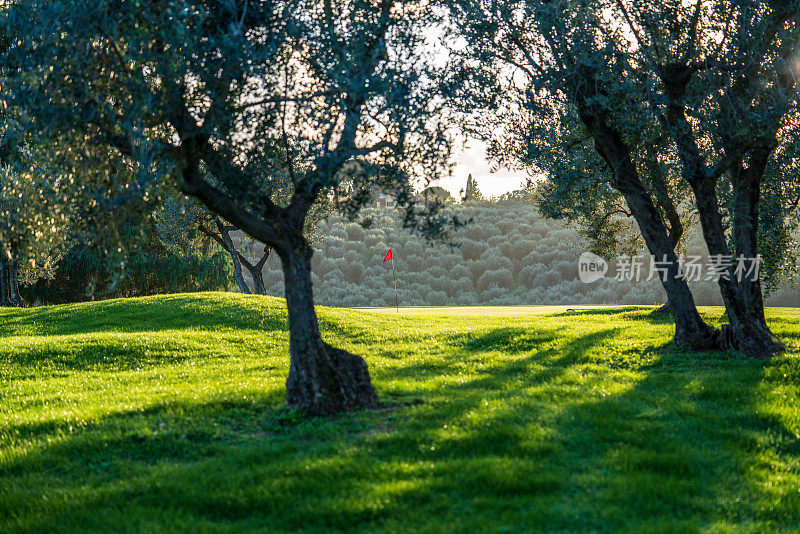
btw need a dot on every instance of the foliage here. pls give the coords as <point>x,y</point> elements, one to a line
<point>701,102</point>
<point>549,422</point>
<point>472,192</point>
<point>34,219</point>
<point>238,94</point>
<point>438,193</point>
<point>511,236</point>
<point>164,254</point>
<point>177,224</point>
<point>36,201</point>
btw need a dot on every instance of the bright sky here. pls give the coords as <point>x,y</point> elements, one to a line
<point>472,159</point>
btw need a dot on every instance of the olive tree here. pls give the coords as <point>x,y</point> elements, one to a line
<point>34,210</point>
<point>33,228</point>
<point>703,88</point>
<point>188,90</point>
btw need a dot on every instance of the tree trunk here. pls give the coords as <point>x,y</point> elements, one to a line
<point>258,280</point>
<point>238,276</point>
<point>323,380</point>
<point>690,328</point>
<point>9,284</point>
<point>257,274</point>
<point>747,191</point>
<point>223,237</point>
<point>749,332</point>
<point>257,271</point>
<point>237,265</point>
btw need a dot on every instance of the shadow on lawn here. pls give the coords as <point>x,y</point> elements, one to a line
<point>540,440</point>
<point>512,340</point>
<point>142,314</point>
<point>616,310</point>
<point>677,449</point>
<point>96,355</point>
<point>639,313</point>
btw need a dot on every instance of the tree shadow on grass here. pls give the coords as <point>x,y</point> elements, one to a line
<point>97,355</point>
<point>355,333</point>
<point>611,311</point>
<point>511,340</point>
<point>167,312</point>
<point>680,446</point>
<point>537,440</point>
<point>468,350</point>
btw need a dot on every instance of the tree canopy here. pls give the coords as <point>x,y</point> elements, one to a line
<point>667,105</point>
<point>234,101</point>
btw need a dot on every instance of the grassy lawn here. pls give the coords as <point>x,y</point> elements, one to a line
<point>485,310</point>
<point>164,414</point>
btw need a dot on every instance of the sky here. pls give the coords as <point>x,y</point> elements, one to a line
<point>471,159</point>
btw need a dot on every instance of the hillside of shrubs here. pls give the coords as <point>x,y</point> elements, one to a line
<point>509,255</point>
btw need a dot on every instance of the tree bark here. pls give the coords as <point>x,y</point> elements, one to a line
<point>237,274</point>
<point>323,380</point>
<point>748,331</point>
<point>223,238</point>
<point>9,284</point>
<point>747,191</point>
<point>237,265</point>
<point>257,271</point>
<point>690,328</point>
<point>747,335</point>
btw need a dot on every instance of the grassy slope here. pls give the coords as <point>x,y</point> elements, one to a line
<point>164,414</point>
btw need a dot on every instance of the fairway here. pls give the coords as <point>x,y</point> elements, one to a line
<point>507,311</point>
<point>485,311</point>
<point>166,414</point>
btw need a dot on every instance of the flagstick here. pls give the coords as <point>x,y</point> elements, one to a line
<point>396,301</point>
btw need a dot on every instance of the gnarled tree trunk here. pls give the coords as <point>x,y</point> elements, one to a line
<point>9,284</point>
<point>322,380</point>
<point>690,328</point>
<point>747,191</point>
<point>223,237</point>
<point>748,331</point>
<point>227,242</point>
<point>256,271</point>
<point>237,273</point>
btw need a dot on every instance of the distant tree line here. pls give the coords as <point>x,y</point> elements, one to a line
<point>509,255</point>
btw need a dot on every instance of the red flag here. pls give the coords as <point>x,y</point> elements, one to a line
<point>388,256</point>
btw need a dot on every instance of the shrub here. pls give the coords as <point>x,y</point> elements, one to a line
<point>501,278</point>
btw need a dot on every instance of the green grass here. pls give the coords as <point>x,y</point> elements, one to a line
<point>165,414</point>
<point>486,311</point>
